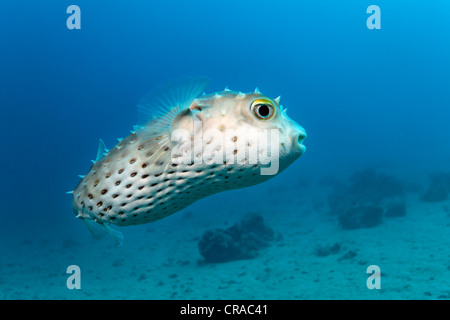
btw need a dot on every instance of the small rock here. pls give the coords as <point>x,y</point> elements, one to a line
<point>323,251</point>
<point>142,277</point>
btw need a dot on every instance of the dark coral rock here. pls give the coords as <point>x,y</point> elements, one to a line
<point>219,246</point>
<point>361,217</point>
<point>240,241</point>
<point>438,189</point>
<point>361,202</point>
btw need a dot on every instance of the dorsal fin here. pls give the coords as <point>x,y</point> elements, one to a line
<point>162,104</point>
<point>158,109</point>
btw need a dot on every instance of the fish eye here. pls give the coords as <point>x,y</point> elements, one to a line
<point>263,109</point>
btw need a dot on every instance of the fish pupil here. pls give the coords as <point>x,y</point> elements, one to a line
<point>263,110</point>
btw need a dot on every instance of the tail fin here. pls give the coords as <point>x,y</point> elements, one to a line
<point>100,230</point>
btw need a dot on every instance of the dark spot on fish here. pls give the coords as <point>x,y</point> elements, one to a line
<point>154,184</point>
<point>199,171</point>
<point>99,204</point>
<point>129,195</point>
<point>159,190</point>
<point>171,172</point>
<point>96,182</point>
<point>120,213</point>
<point>133,174</point>
<point>123,204</point>
<point>132,161</point>
<point>115,195</point>
<point>141,187</point>
<point>149,197</point>
<point>166,148</point>
<point>104,191</point>
<point>117,183</point>
<point>158,174</point>
<point>140,147</point>
<point>129,185</point>
<point>235,151</point>
<point>101,215</point>
<point>144,165</point>
<point>226,177</point>
<point>141,197</point>
<point>144,176</point>
<point>90,208</point>
<point>136,208</point>
<point>174,165</point>
<point>108,175</point>
<point>90,196</point>
<point>120,171</point>
<point>112,218</point>
<point>158,138</point>
<point>234,139</point>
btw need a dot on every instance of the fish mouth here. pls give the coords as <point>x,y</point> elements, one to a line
<point>300,138</point>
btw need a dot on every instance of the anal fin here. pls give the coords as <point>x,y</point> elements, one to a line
<point>100,230</point>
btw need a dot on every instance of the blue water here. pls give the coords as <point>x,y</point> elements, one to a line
<point>368,99</point>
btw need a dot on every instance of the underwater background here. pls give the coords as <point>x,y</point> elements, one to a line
<point>371,189</point>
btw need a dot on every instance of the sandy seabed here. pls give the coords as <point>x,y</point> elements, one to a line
<point>162,261</point>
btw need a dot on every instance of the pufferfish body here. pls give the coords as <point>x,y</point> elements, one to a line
<point>187,146</point>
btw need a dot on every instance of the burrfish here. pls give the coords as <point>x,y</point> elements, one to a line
<point>186,146</point>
